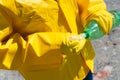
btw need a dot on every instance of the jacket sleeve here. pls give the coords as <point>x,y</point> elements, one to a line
<point>17,50</point>
<point>97,11</point>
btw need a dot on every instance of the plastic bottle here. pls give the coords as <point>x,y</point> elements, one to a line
<point>93,30</point>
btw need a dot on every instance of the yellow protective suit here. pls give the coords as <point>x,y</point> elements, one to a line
<point>31,33</point>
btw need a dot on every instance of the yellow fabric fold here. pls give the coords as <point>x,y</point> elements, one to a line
<point>5,27</point>
<point>15,52</point>
<point>70,11</point>
<point>10,56</point>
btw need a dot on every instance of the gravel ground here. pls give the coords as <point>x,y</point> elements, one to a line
<point>107,53</point>
<point>108,49</point>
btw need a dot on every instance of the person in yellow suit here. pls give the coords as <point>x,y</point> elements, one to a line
<point>39,37</point>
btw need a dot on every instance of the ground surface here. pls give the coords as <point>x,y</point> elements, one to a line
<point>107,61</point>
<point>108,49</point>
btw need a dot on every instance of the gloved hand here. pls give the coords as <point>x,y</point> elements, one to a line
<point>72,44</point>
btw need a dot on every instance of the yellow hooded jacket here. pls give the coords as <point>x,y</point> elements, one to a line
<point>31,32</point>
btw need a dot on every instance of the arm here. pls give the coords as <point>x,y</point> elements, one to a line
<point>97,11</point>
<point>40,45</point>
<point>99,21</point>
<point>93,29</point>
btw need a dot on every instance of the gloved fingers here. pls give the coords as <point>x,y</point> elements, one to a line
<point>72,46</point>
<point>75,46</point>
<point>76,49</point>
<point>72,43</point>
<point>76,43</point>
